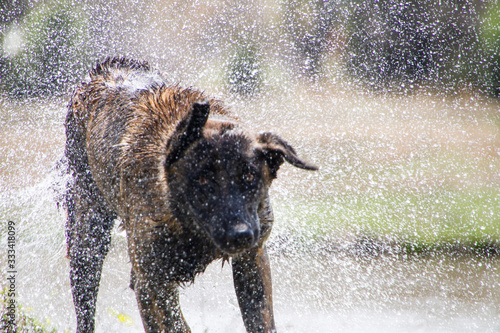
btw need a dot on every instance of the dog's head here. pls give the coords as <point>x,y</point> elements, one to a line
<point>219,175</point>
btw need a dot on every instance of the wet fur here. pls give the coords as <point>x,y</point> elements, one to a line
<point>134,144</point>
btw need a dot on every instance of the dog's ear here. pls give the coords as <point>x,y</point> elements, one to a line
<point>276,151</point>
<point>187,131</point>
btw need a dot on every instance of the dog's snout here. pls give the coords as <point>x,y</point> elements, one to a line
<point>241,236</point>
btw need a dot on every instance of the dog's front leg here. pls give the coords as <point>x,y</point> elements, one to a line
<point>160,309</point>
<point>158,299</point>
<point>252,281</point>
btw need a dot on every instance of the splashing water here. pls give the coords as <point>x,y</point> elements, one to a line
<point>397,232</point>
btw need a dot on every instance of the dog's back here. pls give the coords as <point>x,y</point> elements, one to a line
<point>121,119</point>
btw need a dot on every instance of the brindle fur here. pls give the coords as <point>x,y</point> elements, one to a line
<point>188,182</point>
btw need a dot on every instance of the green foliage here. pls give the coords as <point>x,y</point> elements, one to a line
<point>244,72</point>
<point>24,323</point>
<point>52,55</point>
<point>490,38</point>
<point>308,24</point>
<point>394,42</point>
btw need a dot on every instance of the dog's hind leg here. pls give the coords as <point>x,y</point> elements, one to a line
<point>88,227</point>
<point>89,235</point>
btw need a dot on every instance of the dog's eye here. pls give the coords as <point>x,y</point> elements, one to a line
<point>249,177</point>
<point>203,180</point>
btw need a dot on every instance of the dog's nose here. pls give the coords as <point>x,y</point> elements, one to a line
<point>241,236</point>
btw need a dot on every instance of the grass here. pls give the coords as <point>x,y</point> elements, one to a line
<point>24,323</point>
<point>415,220</point>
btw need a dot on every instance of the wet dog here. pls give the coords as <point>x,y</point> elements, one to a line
<point>188,182</point>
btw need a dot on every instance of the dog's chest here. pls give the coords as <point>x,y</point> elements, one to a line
<point>181,258</point>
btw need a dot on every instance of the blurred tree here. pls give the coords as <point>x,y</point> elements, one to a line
<point>410,41</point>
<point>490,40</point>
<point>52,55</point>
<point>244,72</point>
<point>11,11</point>
<point>307,23</point>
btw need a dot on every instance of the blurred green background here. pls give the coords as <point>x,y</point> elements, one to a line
<point>390,45</point>
<point>396,101</point>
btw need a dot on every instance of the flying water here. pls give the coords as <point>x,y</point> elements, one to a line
<point>397,232</point>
